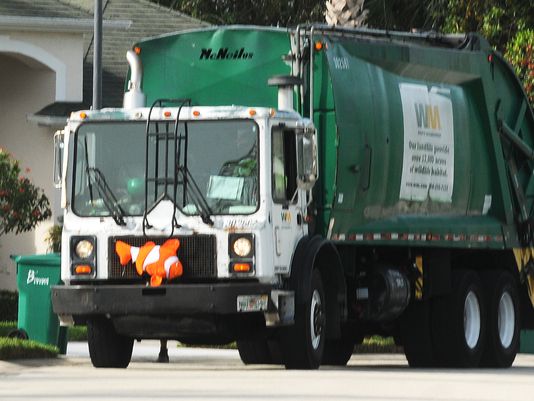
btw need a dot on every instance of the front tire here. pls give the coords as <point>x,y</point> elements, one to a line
<point>459,320</point>
<point>338,352</point>
<point>503,320</point>
<point>254,351</point>
<point>107,348</point>
<point>304,342</point>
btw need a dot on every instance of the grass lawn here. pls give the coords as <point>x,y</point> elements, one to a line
<point>14,348</point>
<point>6,328</point>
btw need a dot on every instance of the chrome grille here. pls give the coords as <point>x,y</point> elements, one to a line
<point>197,254</point>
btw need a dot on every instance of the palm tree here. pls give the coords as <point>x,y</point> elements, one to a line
<point>349,13</point>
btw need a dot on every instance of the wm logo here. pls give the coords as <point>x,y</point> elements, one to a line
<point>286,217</point>
<point>427,116</point>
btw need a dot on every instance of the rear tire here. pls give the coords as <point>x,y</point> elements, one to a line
<point>503,325</point>
<point>303,343</point>
<point>416,336</point>
<point>107,348</point>
<point>458,321</point>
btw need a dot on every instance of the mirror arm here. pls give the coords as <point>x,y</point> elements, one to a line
<point>59,140</point>
<point>310,198</point>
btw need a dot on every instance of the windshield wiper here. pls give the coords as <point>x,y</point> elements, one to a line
<point>108,197</point>
<point>89,184</point>
<point>195,194</point>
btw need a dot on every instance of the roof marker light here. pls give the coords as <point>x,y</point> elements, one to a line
<point>319,46</point>
<point>137,50</point>
<point>83,115</point>
<point>196,113</point>
<point>252,112</point>
<point>167,114</point>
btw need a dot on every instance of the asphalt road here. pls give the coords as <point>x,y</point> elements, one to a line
<point>207,374</point>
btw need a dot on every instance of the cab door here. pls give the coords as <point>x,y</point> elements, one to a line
<point>289,202</point>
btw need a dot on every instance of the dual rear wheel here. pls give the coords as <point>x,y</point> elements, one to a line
<point>503,324</point>
<point>476,324</point>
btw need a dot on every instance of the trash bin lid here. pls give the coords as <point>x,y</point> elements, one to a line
<point>47,259</point>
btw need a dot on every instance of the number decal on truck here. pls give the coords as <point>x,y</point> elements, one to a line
<point>341,63</point>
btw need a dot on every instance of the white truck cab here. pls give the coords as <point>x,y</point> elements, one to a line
<point>232,184</point>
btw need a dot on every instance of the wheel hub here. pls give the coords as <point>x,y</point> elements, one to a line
<point>506,320</point>
<point>317,319</point>
<point>471,320</point>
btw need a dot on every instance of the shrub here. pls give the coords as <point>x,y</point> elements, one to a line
<point>53,239</point>
<point>520,53</point>
<point>77,333</point>
<point>22,205</point>
<point>9,301</point>
<point>378,345</point>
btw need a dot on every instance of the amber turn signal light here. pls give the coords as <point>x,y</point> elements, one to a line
<point>241,267</point>
<point>83,269</point>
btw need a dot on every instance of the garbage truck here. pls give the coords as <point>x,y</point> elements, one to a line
<point>295,190</point>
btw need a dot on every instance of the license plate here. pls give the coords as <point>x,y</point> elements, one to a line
<point>252,303</point>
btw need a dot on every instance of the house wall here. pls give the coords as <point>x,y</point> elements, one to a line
<point>37,68</point>
<point>61,52</point>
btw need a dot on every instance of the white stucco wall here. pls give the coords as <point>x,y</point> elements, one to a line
<point>36,69</point>
<point>60,52</point>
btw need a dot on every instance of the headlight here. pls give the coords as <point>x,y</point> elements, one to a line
<point>241,251</point>
<point>84,249</point>
<point>242,247</point>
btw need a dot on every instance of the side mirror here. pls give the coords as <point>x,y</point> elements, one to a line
<point>306,158</point>
<point>58,158</point>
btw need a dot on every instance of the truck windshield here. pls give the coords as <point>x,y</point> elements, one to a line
<point>222,159</point>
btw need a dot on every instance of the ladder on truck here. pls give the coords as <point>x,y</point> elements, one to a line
<point>166,153</point>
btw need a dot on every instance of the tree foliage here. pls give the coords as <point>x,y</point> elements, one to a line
<point>254,12</point>
<point>400,15</point>
<point>507,24</point>
<point>520,53</point>
<point>498,20</point>
<point>22,205</point>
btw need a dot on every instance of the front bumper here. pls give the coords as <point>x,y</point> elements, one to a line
<point>179,299</point>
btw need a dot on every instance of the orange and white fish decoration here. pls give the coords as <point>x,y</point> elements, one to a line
<point>158,261</point>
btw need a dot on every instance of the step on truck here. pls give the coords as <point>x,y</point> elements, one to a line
<point>295,190</point>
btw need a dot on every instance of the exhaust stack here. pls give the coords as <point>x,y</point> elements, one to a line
<point>285,85</point>
<point>134,97</point>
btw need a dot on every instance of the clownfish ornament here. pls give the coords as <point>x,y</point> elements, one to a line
<point>158,261</point>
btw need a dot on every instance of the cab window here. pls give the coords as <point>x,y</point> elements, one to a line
<point>284,166</point>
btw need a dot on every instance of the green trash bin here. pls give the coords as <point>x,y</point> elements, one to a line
<point>36,274</point>
<point>527,342</point>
